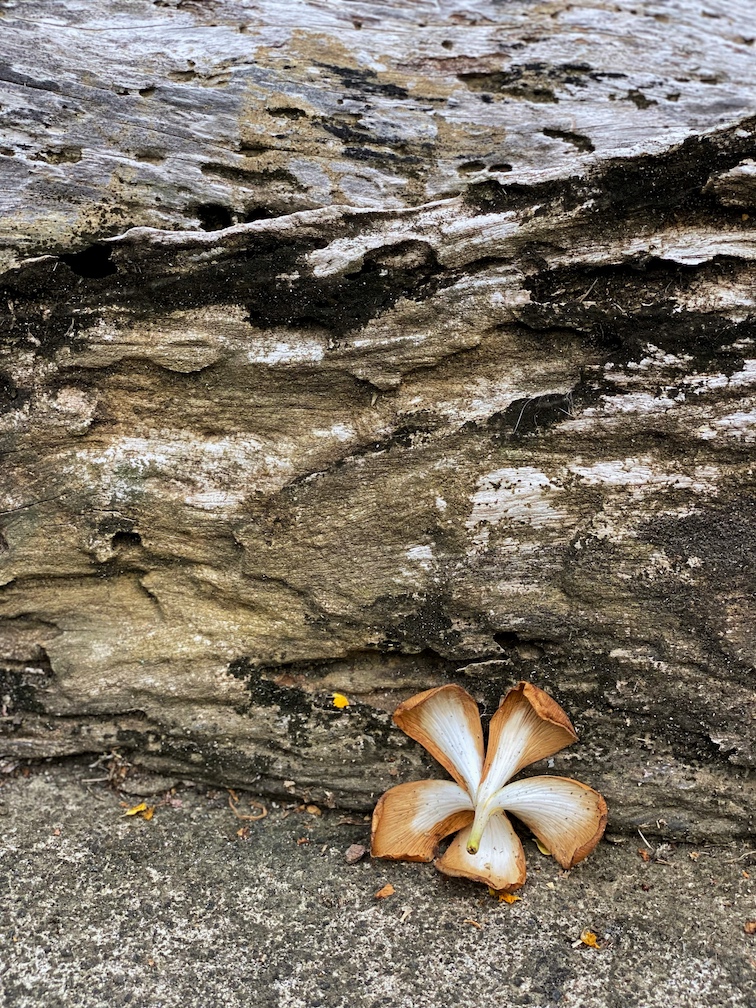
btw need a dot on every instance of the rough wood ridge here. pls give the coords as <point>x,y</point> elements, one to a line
<point>367,350</point>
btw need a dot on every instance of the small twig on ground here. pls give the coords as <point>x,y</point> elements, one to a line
<point>232,804</point>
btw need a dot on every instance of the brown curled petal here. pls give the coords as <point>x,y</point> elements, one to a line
<point>446,722</point>
<point>410,819</point>
<point>567,817</point>
<point>499,861</point>
<point>527,727</point>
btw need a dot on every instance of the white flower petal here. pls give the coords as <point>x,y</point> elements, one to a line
<point>447,723</point>
<point>567,816</point>
<point>528,726</point>
<point>410,819</point>
<point>499,862</point>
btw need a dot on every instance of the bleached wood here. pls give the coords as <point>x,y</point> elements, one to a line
<point>419,348</point>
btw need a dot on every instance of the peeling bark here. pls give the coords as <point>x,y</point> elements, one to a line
<point>360,356</point>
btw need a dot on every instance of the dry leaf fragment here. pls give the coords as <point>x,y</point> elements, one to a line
<point>474,923</point>
<point>387,890</point>
<point>303,840</point>
<point>644,853</point>
<point>750,927</point>
<point>339,700</point>
<point>590,939</point>
<point>354,853</point>
<point>313,810</point>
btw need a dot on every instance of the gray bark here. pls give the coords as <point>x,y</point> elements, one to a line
<point>368,347</point>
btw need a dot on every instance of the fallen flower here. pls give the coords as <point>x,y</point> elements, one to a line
<point>411,819</point>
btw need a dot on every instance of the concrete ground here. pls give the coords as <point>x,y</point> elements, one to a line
<point>196,907</point>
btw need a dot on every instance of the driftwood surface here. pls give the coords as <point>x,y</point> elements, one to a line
<point>366,347</point>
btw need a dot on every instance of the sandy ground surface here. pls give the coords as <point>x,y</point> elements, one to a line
<point>195,907</point>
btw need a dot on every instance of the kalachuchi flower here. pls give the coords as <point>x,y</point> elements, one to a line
<point>410,820</point>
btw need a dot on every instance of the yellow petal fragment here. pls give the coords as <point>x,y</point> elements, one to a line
<point>148,813</point>
<point>141,807</point>
<point>340,701</point>
<point>542,847</point>
<point>590,939</point>
<point>503,897</point>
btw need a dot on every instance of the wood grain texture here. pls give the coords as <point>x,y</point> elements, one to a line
<point>367,348</point>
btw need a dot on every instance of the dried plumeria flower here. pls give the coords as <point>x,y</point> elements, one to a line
<point>411,819</point>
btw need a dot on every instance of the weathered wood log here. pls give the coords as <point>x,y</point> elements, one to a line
<point>365,349</point>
